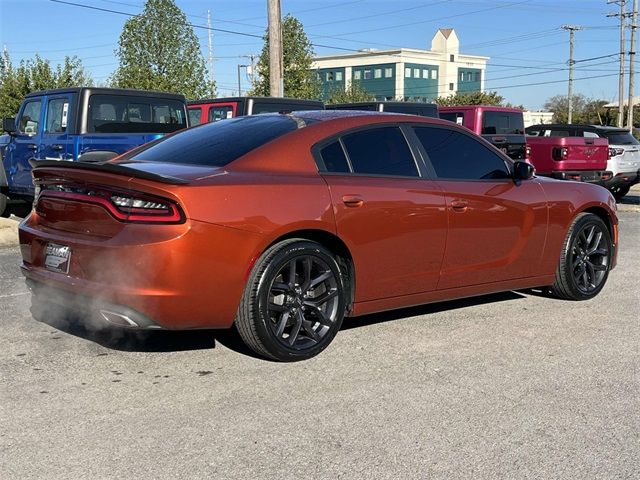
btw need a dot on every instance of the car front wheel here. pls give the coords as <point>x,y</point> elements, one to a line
<point>293,303</point>
<point>585,259</point>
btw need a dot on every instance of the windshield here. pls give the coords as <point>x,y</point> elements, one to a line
<point>216,144</point>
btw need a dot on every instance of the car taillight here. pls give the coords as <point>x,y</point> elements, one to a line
<point>614,152</point>
<point>560,153</point>
<point>527,152</point>
<point>134,207</point>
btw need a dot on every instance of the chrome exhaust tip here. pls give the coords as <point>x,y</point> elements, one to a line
<point>118,319</point>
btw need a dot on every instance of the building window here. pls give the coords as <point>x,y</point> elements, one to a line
<point>377,73</point>
<point>388,72</point>
<point>462,76</point>
<point>329,76</point>
<point>367,74</point>
<point>434,74</point>
<point>477,76</point>
<point>357,74</point>
<point>425,73</point>
<point>416,73</point>
<point>407,73</point>
<point>451,86</point>
<point>452,58</point>
<point>338,76</point>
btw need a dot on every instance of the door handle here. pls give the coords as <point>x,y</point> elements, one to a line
<point>56,147</point>
<point>352,201</point>
<point>32,146</point>
<point>459,206</point>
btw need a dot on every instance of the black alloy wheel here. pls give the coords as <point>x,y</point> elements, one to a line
<point>585,260</point>
<point>294,301</point>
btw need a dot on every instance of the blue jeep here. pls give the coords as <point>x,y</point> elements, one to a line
<point>81,124</point>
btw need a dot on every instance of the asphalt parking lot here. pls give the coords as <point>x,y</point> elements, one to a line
<point>514,385</point>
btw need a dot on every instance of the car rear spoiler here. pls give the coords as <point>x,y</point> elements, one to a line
<point>110,168</point>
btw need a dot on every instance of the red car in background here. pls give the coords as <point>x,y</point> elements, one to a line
<point>285,224</point>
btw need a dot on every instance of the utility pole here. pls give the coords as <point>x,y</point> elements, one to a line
<point>572,29</point>
<point>622,16</point>
<point>210,35</point>
<point>632,54</point>
<point>276,82</point>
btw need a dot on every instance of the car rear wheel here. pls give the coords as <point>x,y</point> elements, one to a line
<point>619,191</point>
<point>293,303</point>
<point>585,259</point>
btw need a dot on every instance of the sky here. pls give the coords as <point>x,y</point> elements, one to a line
<point>528,48</point>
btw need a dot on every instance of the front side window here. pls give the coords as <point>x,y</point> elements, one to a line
<point>380,151</point>
<point>128,114</point>
<point>457,156</point>
<point>30,118</point>
<point>57,115</point>
<point>195,116</point>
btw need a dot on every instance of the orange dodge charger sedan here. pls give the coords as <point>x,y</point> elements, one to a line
<point>285,224</point>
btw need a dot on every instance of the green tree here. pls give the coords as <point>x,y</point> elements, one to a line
<point>158,50</point>
<point>297,55</point>
<point>36,74</point>
<point>471,98</point>
<point>353,93</point>
<point>585,110</point>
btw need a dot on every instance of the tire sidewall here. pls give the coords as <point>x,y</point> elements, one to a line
<point>269,269</point>
<point>578,227</point>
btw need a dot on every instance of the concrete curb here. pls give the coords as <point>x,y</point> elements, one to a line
<point>9,232</point>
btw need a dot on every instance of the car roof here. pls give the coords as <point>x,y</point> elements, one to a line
<point>489,108</point>
<point>294,101</point>
<point>107,91</point>
<point>604,128</point>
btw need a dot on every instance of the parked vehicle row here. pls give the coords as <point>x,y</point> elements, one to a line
<point>96,124</point>
<point>285,224</point>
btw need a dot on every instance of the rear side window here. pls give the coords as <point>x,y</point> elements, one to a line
<point>220,113</point>
<point>128,114</point>
<point>334,158</point>
<point>380,151</point>
<point>195,115</point>
<point>621,138</point>
<point>57,115</point>
<point>455,155</point>
<point>502,123</point>
<point>454,117</point>
<point>422,110</point>
<point>216,144</point>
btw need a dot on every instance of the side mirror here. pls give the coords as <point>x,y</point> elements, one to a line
<point>523,171</point>
<point>9,125</point>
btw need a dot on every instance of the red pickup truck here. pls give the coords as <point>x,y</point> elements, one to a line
<point>570,158</point>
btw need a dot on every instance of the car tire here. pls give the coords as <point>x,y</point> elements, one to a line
<point>294,301</point>
<point>3,205</point>
<point>619,191</point>
<point>585,260</point>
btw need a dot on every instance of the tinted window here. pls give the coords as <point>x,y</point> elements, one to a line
<point>334,158</point>
<point>195,114</point>
<point>259,107</point>
<point>128,114</point>
<point>216,144</point>
<point>380,151</point>
<point>621,138</point>
<point>459,156</point>
<point>422,110</point>
<point>30,118</point>
<point>220,113</point>
<point>502,123</point>
<point>57,115</point>
<point>453,117</point>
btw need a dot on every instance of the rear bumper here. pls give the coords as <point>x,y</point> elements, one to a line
<point>589,176</point>
<point>190,276</point>
<point>629,178</point>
